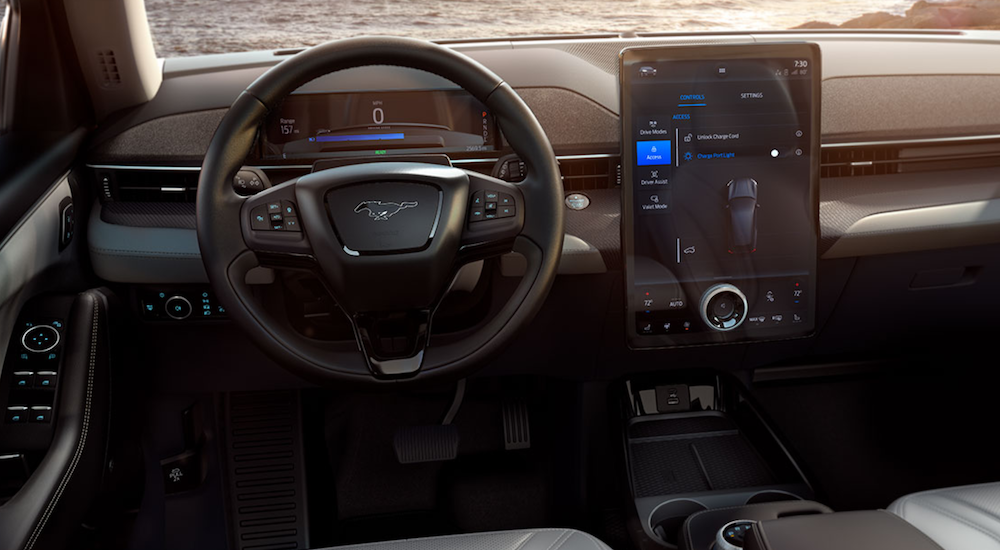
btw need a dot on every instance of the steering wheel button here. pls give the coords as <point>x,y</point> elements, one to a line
<point>288,208</point>
<point>292,224</point>
<point>276,217</point>
<point>277,226</point>
<point>476,214</point>
<point>505,212</point>
<point>477,198</point>
<point>490,215</point>
<point>274,207</point>
<point>259,219</point>
<point>491,196</point>
<point>491,205</point>
<point>506,200</point>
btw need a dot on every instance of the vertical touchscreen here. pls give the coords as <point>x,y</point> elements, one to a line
<point>720,167</point>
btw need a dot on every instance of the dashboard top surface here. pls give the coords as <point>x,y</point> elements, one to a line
<point>873,83</point>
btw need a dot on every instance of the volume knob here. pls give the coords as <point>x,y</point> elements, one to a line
<point>723,307</point>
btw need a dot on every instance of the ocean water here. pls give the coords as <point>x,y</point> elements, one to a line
<point>192,27</point>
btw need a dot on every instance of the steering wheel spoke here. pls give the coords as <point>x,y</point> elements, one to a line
<point>272,226</point>
<point>494,218</point>
<point>393,342</point>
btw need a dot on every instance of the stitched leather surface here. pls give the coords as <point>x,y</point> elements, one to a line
<point>541,539</point>
<point>956,518</point>
<point>863,530</point>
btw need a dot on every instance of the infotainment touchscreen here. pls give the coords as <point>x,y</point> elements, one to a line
<point>720,206</point>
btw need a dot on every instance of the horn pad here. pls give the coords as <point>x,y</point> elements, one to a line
<point>383,218</point>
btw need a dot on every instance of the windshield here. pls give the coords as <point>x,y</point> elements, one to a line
<point>193,27</point>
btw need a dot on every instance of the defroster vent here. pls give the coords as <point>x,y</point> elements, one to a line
<point>107,68</point>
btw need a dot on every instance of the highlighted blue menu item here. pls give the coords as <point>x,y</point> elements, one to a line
<point>652,153</point>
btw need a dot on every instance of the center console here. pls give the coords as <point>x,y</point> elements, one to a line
<point>720,162</point>
<point>706,472</point>
<point>695,443</point>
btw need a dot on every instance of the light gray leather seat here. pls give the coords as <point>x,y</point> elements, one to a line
<point>537,539</point>
<point>957,518</point>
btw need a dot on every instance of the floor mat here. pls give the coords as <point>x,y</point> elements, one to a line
<point>485,488</point>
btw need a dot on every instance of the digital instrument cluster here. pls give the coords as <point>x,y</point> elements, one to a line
<point>320,125</point>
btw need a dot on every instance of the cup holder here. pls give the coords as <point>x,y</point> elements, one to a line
<point>667,519</point>
<point>771,496</point>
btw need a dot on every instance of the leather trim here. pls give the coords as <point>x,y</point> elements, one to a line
<point>82,442</point>
<point>537,539</point>
<point>128,254</point>
<point>868,530</point>
<point>955,517</point>
<point>52,503</point>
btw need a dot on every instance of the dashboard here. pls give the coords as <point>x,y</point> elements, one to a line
<point>894,200</point>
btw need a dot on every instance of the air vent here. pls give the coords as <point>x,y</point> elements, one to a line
<point>147,186</point>
<point>582,174</point>
<point>108,67</point>
<point>848,162</point>
<point>266,471</point>
<point>840,162</point>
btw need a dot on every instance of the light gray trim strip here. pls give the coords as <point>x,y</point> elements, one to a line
<point>586,157</point>
<point>925,141</point>
<point>929,228</point>
<point>126,254</point>
<point>145,167</point>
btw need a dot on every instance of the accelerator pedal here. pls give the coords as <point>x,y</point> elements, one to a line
<point>516,426</point>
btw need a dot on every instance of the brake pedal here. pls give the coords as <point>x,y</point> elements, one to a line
<point>516,426</point>
<point>433,443</point>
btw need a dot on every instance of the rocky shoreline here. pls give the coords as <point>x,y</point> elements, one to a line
<point>957,14</point>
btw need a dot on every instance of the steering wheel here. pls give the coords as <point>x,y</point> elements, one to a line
<point>386,238</point>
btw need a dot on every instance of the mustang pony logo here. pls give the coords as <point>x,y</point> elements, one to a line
<point>381,210</point>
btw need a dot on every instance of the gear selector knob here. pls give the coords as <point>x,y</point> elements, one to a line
<point>731,536</point>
